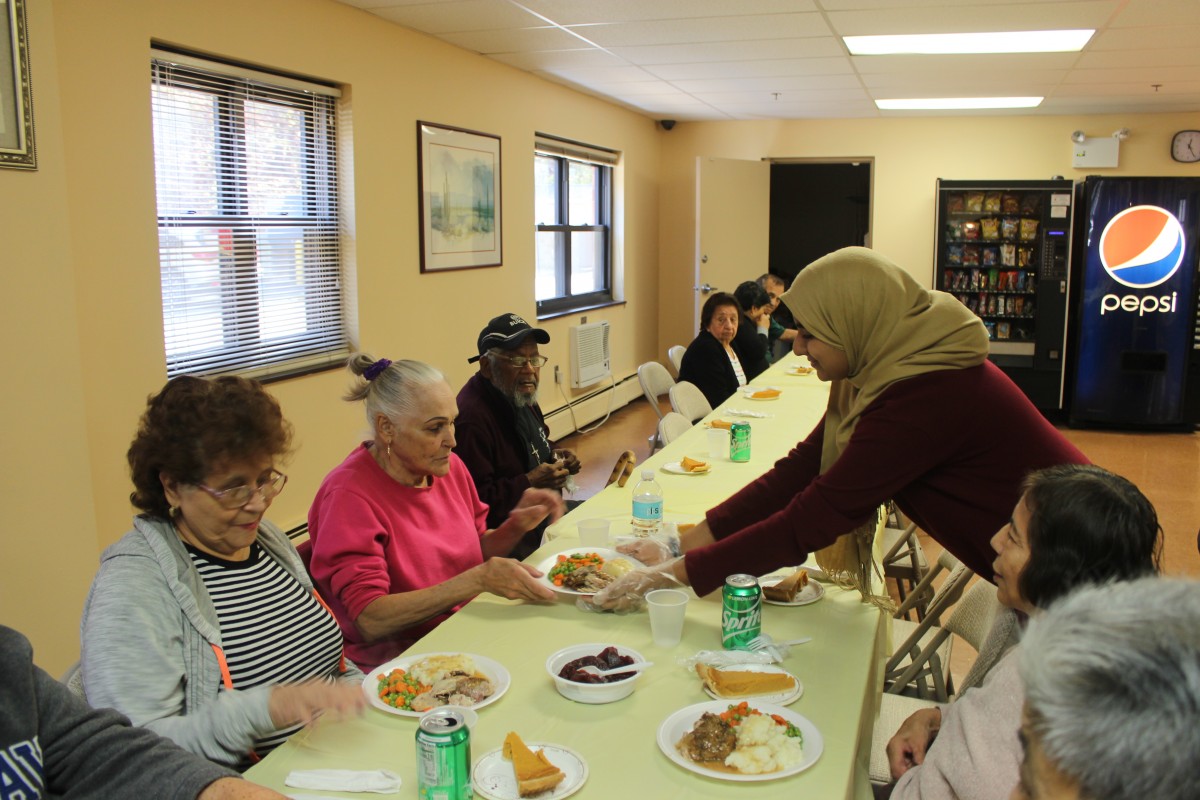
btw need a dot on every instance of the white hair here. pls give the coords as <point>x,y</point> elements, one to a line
<point>394,390</point>
<point>1112,688</point>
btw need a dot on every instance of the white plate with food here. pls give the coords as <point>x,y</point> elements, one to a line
<point>420,671</point>
<point>688,467</point>
<point>683,722</point>
<point>494,778</point>
<point>800,371</point>
<point>585,570</point>
<point>762,683</point>
<point>761,392</point>
<point>810,592</point>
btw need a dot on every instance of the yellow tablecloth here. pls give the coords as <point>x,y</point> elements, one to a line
<point>839,668</point>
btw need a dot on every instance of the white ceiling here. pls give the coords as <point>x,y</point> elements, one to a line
<point>784,59</point>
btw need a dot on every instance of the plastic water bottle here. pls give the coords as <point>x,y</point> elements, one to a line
<point>647,505</point>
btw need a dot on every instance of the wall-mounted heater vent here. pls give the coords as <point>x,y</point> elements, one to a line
<point>588,346</point>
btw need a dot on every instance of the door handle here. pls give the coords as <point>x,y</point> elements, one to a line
<point>704,288</point>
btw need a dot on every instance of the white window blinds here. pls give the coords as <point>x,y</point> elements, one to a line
<point>547,145</point>
<point>246,178</point>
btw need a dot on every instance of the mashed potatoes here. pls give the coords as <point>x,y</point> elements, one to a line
<point>432,669</point>
<point>763,746</point>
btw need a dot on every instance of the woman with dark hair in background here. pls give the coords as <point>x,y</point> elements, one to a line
<point>715,361</point>
<point>202,623</point>
<point>753,327</point>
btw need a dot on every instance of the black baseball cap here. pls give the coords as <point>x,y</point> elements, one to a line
<point>506,332</point>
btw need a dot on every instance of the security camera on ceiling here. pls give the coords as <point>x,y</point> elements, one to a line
<point>667,124</point>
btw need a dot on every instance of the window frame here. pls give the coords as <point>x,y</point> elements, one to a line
<point>564,153</point>
<point>243,348</point>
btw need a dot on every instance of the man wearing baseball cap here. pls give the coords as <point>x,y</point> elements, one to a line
<point>501,433</point>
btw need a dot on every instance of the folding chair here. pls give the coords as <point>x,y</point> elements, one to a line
<point>689,401</point>
<point>672,426</point>
<point>656,382</point>
<point>914,668</point>
<point>675,356</point>
<point>904,562</point>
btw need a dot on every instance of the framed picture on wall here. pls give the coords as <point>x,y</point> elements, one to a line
<point>16,105</point>
<point>459,176</point>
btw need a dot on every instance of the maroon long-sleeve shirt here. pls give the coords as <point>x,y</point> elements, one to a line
<point>951,448</point>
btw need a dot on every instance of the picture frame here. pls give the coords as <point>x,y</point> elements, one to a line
<point>16,99</point>
<point>460,202</point>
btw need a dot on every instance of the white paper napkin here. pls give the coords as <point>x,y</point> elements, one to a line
<point>741,412</point>
<point>379,781</point>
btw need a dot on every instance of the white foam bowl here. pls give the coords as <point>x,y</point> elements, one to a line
<point>591,692</point>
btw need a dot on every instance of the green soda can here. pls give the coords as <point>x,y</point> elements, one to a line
<point>739,441</point>
<point>444,756</point>
<point>741,611</point>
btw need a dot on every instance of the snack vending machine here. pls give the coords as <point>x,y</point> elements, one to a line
<point>1134,345</point>
<point>1004,250</point>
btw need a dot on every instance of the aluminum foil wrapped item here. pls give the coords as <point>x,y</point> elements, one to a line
<point>729,658</point>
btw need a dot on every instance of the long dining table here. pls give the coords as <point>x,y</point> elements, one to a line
<point>840,669</point>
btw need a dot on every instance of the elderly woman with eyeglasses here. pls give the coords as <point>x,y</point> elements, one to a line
<point>399,535</point>
<point>202,623</point>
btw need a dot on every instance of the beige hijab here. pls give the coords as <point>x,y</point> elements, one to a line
<point>890,328</point>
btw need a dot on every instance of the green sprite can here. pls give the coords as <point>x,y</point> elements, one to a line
<point>739,441</point>
<point>741,611</point>
<point>444,756</point>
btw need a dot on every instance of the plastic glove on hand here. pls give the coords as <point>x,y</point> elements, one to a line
<point>628,592</point>
<point>651,552</point>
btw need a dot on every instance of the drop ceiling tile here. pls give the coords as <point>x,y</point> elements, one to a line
<point>1145,75</point>
<point>969,19</point>
<point>1139,13</point>
<point>785,98</point>
<point>1124,59</point>
<point>750,50</point>
<point>707,29</point>
<point>514,41</point>
<point>573,12</point>
<point>991,62</point>
<point>752,69</point>
<point>1146,38</point>
<point>768,85</point>
<point>462,15</point>
<point>608,75</point>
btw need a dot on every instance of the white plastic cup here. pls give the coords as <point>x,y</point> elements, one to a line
<point>667,610</point>
<point>718,443</point>
<point>593,533</point>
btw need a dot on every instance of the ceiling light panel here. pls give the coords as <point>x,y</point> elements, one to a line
<point>959,43</point>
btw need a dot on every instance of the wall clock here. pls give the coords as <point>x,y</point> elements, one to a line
<point>1185,146</point>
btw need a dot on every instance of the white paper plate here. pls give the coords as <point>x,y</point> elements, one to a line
<point>675,726</point>
<point>778,698</point>
<point>801,371</point>
<point>811,593</point>
<point>494,779</point>
<point>548,564</point>
<point>495,672</point>
<point>676,468</point>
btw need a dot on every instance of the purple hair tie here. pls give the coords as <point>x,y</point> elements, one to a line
<point>372,372</point>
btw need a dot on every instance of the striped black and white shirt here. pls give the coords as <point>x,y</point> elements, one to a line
<point>272,628</point>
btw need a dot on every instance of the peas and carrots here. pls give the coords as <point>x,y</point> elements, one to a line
<point>398,688</point>
<point>569,563</point>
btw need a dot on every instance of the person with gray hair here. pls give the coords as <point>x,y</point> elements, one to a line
<point>1112,694</point>
<point>398,534</point>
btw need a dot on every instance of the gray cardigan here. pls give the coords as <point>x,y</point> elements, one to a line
<point>148,630</point>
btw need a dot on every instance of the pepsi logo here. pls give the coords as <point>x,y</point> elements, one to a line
<point>1142,246</point>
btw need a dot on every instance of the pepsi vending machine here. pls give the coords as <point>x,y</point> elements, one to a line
<point>1135,335</point>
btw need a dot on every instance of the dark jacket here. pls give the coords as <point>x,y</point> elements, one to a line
<point>706,364</point>
<point>754,344</point>
<point>491,447</point>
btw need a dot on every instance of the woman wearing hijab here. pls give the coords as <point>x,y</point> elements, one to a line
<point>916,414</point>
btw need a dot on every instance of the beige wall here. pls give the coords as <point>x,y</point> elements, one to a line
<point>83,315</point>
<point>909,155</point>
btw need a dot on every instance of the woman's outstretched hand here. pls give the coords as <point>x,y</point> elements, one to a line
<point>514,580</point>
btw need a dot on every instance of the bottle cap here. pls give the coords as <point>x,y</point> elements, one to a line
<point>647,474</point>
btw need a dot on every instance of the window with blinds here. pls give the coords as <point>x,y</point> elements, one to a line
<point>573,209</point>
<point>246,179</point>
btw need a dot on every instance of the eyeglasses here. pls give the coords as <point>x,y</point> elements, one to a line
<point>520,361</point>
<point>239,496</point>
